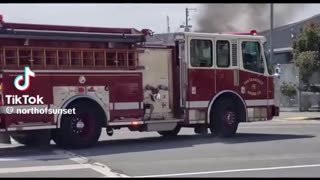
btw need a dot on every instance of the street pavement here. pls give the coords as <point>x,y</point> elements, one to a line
<point>278,148</point>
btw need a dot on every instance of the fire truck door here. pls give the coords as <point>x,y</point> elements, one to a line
<point>201,77</point>
<point>253,79</point>
<point>227,65</point>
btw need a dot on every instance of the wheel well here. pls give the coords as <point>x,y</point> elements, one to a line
<point>239,104</point>
<point>91,103</point>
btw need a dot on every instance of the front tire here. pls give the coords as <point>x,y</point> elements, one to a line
<point>80,130</point>
<point>224,118</point>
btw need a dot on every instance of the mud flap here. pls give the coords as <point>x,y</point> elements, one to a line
<point>5,138</point>
<point>275,111</point>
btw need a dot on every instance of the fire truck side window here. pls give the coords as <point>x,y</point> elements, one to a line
<point>252,57</point>
<point>223,53</point>
<point>201,53</point>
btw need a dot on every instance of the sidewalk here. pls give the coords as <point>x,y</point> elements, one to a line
<point>299,115</point>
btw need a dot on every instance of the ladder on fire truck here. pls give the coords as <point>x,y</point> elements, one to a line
<point>68,58</point>
<point>18,55</point>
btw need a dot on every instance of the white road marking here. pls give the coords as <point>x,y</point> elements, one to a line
<point>32,158</point>
<point>83,163</point>
<point>9,145</point>
<point>13,141</point>
<point>96,166</point>
<point>43,168</point>
<point>230,171</point>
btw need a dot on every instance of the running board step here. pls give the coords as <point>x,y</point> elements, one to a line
<point>161,126</point>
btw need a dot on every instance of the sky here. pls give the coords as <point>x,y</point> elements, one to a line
<point>139,16</point>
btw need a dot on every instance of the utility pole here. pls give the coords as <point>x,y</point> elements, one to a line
<point>168,24</point>
<point>277,89</point>
<point>271,31</point>
<point>187,26</point>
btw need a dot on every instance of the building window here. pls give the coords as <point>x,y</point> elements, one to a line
<point>251,56</point>
<point>282,57</point>
<point>223,53</point>
<point>201,53</point>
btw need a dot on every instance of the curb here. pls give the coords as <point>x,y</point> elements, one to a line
<point>302,118</point>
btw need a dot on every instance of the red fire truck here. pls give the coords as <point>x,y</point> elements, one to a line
<point>114,80</point>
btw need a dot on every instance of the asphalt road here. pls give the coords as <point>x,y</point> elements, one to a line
<point>264,149</point>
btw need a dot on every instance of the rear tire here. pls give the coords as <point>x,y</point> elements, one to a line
<point>224,118</point>
<point>171,133</point>
<point>80,130</point>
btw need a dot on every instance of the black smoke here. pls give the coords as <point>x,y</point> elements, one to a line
<point>244,17</point>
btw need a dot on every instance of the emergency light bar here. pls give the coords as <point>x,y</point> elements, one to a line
<point>252,32</point>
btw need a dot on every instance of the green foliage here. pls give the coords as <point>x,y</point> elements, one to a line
<point>306,54</point>
<point>288,90</point>
<point>308,62</point>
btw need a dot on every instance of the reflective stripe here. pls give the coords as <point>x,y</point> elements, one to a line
<point>197,122</point>
<point>256,102</point>
<point>197,104</point>
<point>76,71</point>
<point>124,123</point>
<point>31,128</point>
<point>260,102</point>
<point>111,106</point>
<point>126,105</point>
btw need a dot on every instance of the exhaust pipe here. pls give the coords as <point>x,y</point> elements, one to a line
<point>5,138</point>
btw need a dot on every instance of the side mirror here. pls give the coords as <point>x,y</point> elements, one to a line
<point>277,75</point>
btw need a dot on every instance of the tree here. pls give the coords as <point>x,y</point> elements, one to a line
<point>306,51</point>
<point>288,90</point>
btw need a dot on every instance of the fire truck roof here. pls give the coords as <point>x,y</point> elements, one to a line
<point>234,35</point>
<point>74,33</point>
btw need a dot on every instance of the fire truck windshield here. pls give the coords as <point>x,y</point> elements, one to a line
<point>267,55</point>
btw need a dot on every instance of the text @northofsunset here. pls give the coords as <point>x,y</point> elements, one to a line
<point>35,110</point>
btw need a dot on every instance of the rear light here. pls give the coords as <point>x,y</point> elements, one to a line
<point>135,123</point>
<point>81,90</point>
<point>253,32</point>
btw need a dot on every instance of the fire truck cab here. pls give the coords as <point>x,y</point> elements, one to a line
<point>114,80</point>
<point>225,78</point>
